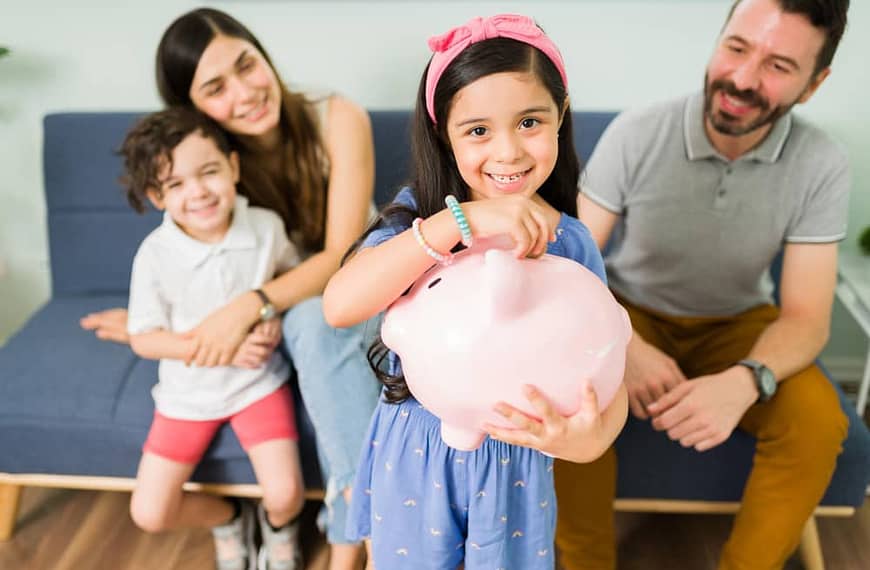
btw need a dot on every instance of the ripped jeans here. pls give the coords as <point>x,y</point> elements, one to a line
<point>339,390</point>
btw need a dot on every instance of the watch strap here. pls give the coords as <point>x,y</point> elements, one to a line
<point>263,297</point>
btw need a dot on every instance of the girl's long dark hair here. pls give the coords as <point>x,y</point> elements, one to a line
<point>434,170</point>
<point>298,193</point>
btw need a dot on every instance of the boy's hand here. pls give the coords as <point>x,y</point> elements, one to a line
<point>579,438</point>
<point>259,345</point>
<point>110,324</point>
<point>219,336</point>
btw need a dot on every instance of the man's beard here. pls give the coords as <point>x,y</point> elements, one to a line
<point>728,124</point>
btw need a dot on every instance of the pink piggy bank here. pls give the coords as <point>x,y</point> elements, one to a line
<point>473,333</point>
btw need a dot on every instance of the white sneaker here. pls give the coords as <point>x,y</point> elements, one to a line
<point>280,549</point>
<point>234,542</point>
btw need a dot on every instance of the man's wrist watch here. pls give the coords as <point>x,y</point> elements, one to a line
<point>267,311</point>
<point>765,381</point>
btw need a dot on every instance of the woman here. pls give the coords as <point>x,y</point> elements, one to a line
<point>311,161</point>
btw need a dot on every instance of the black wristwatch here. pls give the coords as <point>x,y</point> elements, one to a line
<point>267,311</point>
<point>765,381</point>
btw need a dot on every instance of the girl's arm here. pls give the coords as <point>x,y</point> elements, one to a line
<point>348,143</point>
<point>580,438</point>
<point>375,277</point>
<point>161,343</point>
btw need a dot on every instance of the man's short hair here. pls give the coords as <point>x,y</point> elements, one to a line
<point>827,15</point>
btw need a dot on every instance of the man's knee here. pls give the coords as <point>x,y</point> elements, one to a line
<point>806,412</point>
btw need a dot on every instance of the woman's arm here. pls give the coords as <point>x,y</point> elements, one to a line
<point>348,143</point>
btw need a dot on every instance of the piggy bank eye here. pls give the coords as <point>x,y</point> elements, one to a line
<point>434,282</point>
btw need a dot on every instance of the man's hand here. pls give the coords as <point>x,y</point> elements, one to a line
<point>702,412</point>
<point>649,375</point>
<point>259,345</point>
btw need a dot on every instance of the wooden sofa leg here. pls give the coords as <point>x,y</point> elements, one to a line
<point>9,498</point>
<point>811,548</point>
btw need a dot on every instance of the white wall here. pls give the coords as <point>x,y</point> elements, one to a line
<point>98,55</point>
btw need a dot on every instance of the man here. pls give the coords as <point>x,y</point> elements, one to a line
<point>703,192</point>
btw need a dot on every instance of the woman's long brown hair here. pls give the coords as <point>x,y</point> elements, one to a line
<point>297,190</point>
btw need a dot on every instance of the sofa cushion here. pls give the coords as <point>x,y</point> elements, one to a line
<point>75,405</point>
<point>651,466</point>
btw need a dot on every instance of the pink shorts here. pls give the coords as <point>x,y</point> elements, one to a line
<point>185,441</point>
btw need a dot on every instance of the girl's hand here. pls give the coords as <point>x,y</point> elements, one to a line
<point>259,345</point>
<point>218,337</point>
<point>520,217</point>
<point>110,324</point>
<point>579,438</point>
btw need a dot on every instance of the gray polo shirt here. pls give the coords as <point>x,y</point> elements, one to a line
<point>698,232</point>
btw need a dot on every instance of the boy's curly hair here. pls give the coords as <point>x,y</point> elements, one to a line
<point>147,149</point>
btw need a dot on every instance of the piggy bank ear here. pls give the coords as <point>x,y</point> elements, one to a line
<point>505,281</point>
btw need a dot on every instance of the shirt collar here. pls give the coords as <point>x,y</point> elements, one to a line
<point>240,235</point>
<point>699,147</point>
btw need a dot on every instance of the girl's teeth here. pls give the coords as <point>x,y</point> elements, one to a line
<point>507,179</point>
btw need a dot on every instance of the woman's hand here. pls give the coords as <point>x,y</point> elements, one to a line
<point>520,217</point>
<point>110,324</point>
<point>219,336</point>
<point>259,345</point>
<point>581,438</point>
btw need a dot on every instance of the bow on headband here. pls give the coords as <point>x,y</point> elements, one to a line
<point>513,26</point>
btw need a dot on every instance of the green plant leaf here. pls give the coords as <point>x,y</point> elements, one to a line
<point>864,241</point>
<point>3,51</point>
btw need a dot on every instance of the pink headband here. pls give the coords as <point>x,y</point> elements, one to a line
<point>513,26</point>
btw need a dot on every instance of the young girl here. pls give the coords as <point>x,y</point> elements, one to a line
<point>492,128</point>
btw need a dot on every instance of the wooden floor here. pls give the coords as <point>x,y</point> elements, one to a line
<point>85,530</point>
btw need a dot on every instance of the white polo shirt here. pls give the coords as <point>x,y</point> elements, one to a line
<point>177,281</point>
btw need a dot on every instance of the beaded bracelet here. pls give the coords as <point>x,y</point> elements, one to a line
<point>461,220</point>
<point>441,258</point>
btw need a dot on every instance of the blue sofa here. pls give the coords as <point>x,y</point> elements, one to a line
<point>74,411</point>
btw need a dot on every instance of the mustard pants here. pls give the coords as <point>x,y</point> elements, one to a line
<point>799,435</point>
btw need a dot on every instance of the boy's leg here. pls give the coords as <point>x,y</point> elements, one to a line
<point>276,465</point>
<point>170,454</point>
<point>158,502</point>
<point>267,432</point>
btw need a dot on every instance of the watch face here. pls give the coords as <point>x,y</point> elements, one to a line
<point>768,382</point>
<point>267,312</point>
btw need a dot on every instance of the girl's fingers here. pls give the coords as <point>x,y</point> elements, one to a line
<point>522,238</point>
<point>518,419</point>
<point>541,404</point>
<point>544,232</point>
<point>509,435</point>
<point>533,232</point>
